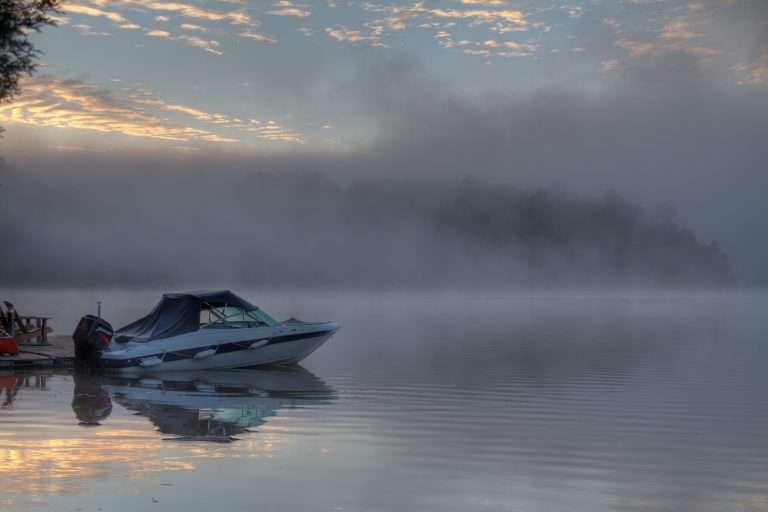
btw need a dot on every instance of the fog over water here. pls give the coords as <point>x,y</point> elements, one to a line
<point>439,195</point>
<point>303,229</point>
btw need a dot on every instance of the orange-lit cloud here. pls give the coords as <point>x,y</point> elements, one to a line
<point>258,37</point>
<point>487,48</point>
<point>678,29</point>
<point>491,3</point>
<point>288,8</point>
<point>420,11</point>
<point>210,46</point>
<point>484,15</point>
<point>87,30</point>
<point>477,15</point>
<point>753,73</point>
<point>92,11</point>
<point>677,43</point>
<point>48,101</point>
<point>191,26</point>
<point>671,35</point>
<point>355,36</point>
<point>635,48</point>
<point>106,9</point>
<point>264,129</point>
<point>183,9</point>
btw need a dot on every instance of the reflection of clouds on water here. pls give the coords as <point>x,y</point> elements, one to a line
<point>32,468</point>
<point>65,465</point>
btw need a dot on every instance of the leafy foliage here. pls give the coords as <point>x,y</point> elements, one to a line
<point>18,18</point>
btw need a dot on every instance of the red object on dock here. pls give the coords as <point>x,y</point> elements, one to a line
<point>8,346</point>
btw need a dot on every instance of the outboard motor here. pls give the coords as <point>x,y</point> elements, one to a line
<point>92,336</point>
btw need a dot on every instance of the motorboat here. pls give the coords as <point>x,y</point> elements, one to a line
<point>199,330</point>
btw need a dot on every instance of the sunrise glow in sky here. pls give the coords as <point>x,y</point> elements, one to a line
<point>242,76</point>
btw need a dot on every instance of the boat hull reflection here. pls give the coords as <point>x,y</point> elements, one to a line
<point>215,405</point>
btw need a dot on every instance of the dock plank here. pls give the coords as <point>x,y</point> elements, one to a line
<point>59,352</point>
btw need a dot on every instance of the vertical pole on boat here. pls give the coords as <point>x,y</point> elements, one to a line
<point>12,315</point>
<point>98,307</point>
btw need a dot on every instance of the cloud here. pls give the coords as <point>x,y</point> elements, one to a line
<point>203,17</point>
<point>479,16</point>
<point>266,129</point>
<point>487,48</point>
<point>183,9</point>
<point>210,46</point>
<point>492,3</point>
<point>445,21</point>
<point>635,48</point>
<point>159,33</point>
<point>237,17</point>
<point>91,11</point>
<point>381,22</point>
<point>419,11</point>
<point>678,29</point>
<point>70,148</point>
<point>670,42</point>
<point>198,28</point>
<point>87,30</point>
<point>753,73</point>
<point>258,37</point>
<point>288,8</point>
<point>48,101</point>
<point>341,33</point>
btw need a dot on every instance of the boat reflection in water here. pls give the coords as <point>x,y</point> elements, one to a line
<point>91,403</point>
<point>212,405</point>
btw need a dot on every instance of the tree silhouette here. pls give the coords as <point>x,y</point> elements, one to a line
<point>18,56</point>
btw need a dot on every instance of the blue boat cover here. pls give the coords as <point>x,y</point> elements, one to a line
<point>178,313</point>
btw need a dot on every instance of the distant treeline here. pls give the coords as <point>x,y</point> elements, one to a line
<point>200,228</point>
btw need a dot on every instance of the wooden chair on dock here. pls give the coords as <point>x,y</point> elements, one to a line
<point>25,328</point>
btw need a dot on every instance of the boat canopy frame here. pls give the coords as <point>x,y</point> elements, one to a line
<point>179,313</point>
<point>257,316</point>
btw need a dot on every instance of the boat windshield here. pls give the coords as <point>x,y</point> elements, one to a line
<point>224,316</point>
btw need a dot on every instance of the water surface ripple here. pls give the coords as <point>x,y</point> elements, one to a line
<point>423,403</point>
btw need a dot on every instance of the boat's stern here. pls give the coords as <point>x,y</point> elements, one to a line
<point>92,337</point>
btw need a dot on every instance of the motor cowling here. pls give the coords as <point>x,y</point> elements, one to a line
<point>92,336</point>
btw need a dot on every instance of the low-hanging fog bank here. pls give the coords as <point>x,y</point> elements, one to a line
<point>202,228</point>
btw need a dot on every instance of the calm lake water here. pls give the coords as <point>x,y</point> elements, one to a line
<point>423,401</point>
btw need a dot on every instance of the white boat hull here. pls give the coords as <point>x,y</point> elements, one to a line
<point>219,349</point>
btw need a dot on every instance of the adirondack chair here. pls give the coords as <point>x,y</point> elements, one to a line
<point>5,320</point>
<point>29,327</point>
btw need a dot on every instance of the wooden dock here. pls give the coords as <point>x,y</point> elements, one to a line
<point>60,352</point>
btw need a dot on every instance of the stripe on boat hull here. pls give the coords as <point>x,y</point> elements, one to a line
<point>223,348</point>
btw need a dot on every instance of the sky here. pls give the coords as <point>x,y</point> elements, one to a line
<point>258,75</point>
<point>661,100</point>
